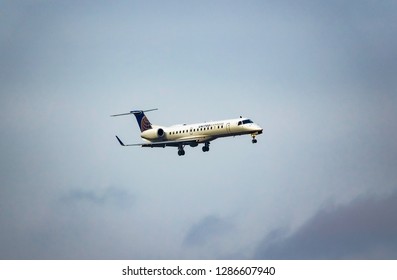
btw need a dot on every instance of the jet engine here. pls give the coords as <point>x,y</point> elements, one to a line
<point>154,134</point>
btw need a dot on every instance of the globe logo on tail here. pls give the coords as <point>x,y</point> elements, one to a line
<point>145,124</point>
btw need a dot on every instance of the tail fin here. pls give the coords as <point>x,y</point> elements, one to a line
<point>143,121</point>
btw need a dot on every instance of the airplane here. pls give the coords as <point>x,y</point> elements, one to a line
<point>189,134</point>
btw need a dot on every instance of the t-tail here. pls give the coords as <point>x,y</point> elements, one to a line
<point>143,121</point>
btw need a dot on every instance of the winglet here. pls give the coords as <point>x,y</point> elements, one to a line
<point>121,143</point>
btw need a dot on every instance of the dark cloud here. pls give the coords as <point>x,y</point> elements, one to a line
<point>364,229</point>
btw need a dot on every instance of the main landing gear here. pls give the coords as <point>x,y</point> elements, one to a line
<point>181,151</point>
<point>206,147</point>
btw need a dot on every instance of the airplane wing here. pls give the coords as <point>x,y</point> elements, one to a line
<point>162,144</point>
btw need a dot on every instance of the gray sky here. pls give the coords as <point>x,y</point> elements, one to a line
<point>318,76</point>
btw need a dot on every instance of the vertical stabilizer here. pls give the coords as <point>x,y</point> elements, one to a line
<point>143,121</point>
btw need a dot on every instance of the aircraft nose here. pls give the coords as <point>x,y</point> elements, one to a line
<point>257,129</point>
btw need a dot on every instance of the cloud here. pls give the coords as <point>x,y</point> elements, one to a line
<point>319,77</point>
<point>212,237</point>
<point>109,196</point>
<point>207,229</point>
<point>364,229</point>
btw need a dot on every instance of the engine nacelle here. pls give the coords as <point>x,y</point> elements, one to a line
<point>154,134</point>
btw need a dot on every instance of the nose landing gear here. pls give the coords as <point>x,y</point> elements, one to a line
<point>254,141</point>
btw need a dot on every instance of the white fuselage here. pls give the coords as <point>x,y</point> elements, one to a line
<point>203,132</point>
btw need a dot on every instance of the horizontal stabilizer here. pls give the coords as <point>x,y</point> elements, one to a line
<point>133,112</point>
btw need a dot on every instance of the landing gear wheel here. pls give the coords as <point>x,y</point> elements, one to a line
<point>206,147</point>
<point>181,152</point>
<point>254,141</point>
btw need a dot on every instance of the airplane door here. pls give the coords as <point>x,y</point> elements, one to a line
<point>191,131</point>
<point>228,127</point>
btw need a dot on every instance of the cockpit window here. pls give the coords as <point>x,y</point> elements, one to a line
<point>240,123</point>
<point>247,121</point>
